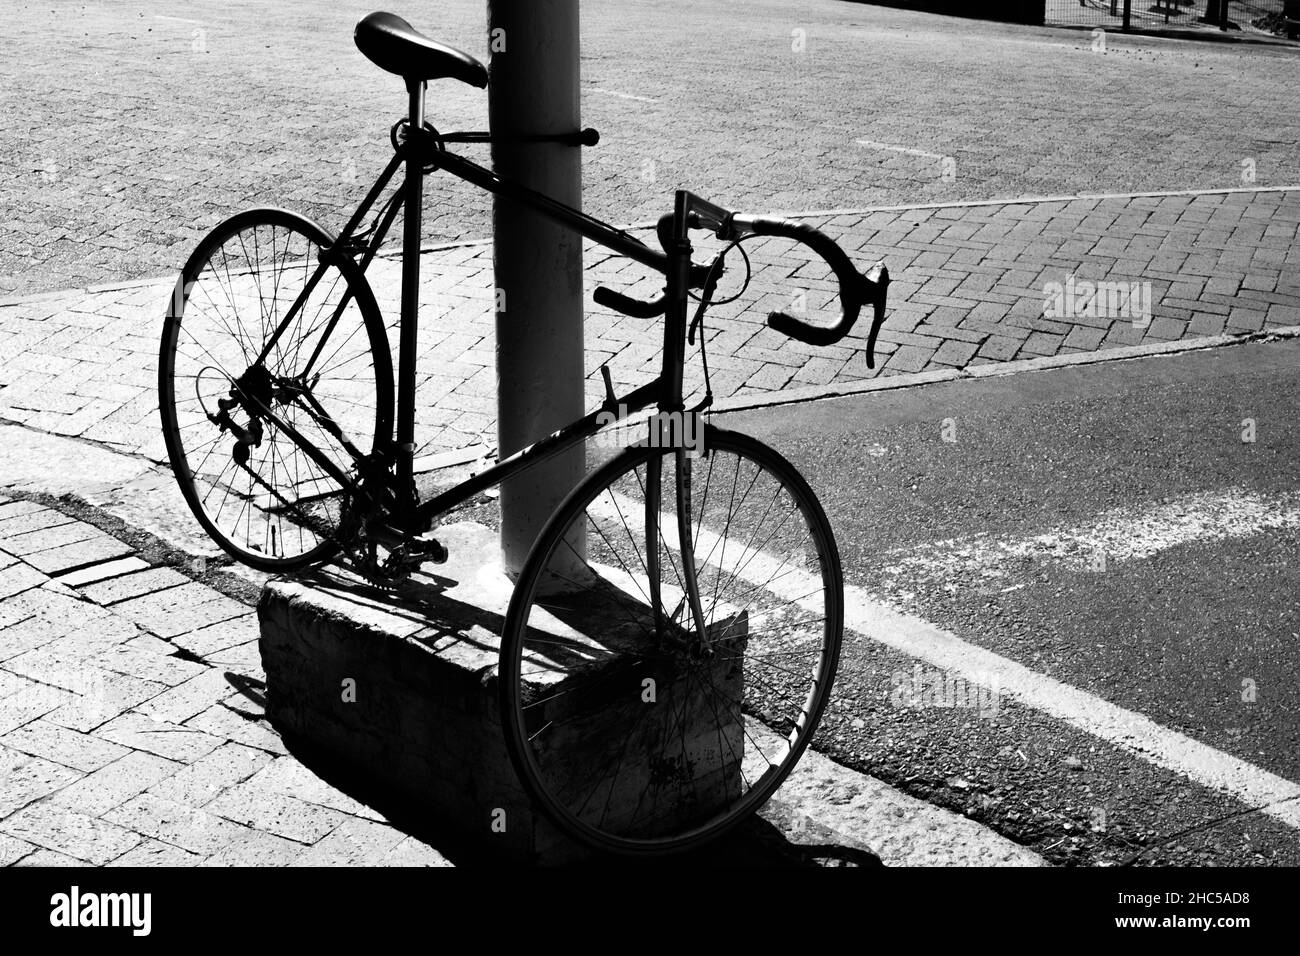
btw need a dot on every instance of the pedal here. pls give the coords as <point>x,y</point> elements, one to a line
<point>426,548</point>
<point>407,550</point>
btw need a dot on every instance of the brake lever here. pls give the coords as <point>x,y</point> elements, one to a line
<point>875,283</point>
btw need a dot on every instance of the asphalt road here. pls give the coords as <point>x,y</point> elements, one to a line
<point>1108,527</point>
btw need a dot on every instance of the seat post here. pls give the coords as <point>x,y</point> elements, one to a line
<point>411,235</point>
<point>416,90</point>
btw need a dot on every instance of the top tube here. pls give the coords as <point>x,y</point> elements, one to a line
<point>585,225</point>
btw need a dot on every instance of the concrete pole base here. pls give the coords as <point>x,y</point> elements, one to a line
<point>395,694</point>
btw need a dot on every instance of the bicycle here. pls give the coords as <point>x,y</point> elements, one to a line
<point>714,592</point>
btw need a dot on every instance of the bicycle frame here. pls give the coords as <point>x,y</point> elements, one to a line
<point>423,147</point>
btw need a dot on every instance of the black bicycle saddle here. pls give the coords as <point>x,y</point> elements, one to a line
<point>394,45</point>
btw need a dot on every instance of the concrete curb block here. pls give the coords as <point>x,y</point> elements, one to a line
<point>38,297</point>
<point>897,827</point>
<point>126,284</point>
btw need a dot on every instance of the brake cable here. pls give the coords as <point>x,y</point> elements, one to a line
<point>716,268</point>
<point>735,243</point>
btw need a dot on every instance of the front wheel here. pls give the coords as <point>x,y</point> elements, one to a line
<point>633,728</point>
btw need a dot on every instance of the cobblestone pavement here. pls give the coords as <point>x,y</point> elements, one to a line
<point>968,290</point>
<point>131,723</point>
<point>132,127</point>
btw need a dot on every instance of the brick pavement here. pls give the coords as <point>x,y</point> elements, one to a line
<point>969,290</point>
<point>131,723</point>
<point>133,126</point>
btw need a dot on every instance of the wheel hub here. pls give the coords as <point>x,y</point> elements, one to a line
<point>258,385</point>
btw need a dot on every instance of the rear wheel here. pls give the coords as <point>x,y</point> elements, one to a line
<point>328,376</point>
<point>631,731</point>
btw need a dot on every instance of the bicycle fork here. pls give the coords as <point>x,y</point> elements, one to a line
<point>686,537</point>
<point>655,538</point>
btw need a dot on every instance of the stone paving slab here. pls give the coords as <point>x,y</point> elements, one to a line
<point>970,288</point>
<point>119,748</point>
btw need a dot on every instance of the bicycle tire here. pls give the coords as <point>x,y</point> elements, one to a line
<point>581,719</point>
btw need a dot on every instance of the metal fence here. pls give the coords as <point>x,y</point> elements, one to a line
<point>1247,16</point>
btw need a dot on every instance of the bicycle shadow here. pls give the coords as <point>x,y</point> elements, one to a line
<point>427,599</point>
<point>761,842</point>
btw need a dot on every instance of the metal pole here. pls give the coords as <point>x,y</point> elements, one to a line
<point>1127,9</point>
<point>534,90</point>
<point>410,296</point>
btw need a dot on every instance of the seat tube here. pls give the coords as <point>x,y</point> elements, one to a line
<point>411,234</point>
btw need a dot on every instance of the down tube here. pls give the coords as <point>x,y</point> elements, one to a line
<point>562,440</point>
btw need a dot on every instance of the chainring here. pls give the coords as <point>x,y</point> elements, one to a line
<point>394,566</point>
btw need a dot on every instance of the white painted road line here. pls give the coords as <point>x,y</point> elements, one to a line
<point>871,144</point>
<point>623,96</point>
<point>916,637</point>
<point>1198,762</point>
<point>1114,537</point>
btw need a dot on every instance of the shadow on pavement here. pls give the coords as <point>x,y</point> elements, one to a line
<point>758,843</point>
